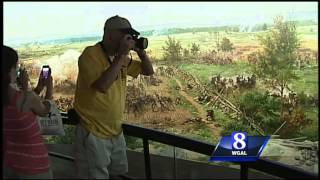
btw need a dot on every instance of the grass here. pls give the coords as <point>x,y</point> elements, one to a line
<point>220,117</point>
<point>311,30</point>
<point>207,41</point>
<point>185,103</point>
<point>202,133</point>
<point>46,51</point>
<point>308,81</point>
<point>311,131</point>
<point>312,113</point>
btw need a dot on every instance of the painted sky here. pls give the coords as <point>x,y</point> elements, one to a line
<point>31,20</point>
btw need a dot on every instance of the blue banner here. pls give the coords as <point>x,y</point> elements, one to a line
<point>239,147</point>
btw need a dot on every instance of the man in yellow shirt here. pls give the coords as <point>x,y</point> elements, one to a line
<point>100,100</point>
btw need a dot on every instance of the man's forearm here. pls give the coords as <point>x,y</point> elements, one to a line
<point>108,76</point>
<point>146,64</point>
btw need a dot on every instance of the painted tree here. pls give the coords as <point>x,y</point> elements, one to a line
<point>226,45</point>
<point>186,52</point>
<point>195,48</point>
<point>280,47</point>
<point>275,62</point>
<point>264,27</point>
<point>172,50</point>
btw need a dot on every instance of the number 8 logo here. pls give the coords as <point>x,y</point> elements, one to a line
<point>239,141</point>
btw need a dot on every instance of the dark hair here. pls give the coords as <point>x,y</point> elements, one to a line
<point>9,60</point>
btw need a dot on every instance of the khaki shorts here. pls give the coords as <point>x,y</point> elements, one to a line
<point>97,158</point>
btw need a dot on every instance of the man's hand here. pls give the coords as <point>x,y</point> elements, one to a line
<point>126,44</point>
<point>146,65</point>
<point>141,52</point>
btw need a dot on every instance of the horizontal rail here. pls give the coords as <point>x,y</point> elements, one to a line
<point>168,138</point>
<point>267,166</point>
<point>61,156</point>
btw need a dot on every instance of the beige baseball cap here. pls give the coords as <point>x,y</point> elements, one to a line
<point>119,23</point>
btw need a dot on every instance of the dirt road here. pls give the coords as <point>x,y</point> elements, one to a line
<point>201,112</point>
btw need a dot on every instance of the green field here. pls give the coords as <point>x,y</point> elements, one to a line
<point>308,35</point>
<point>207,41</point>
<point>307,82</point>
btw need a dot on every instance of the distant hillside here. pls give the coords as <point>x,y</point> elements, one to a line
<point>169,31</point>
<point>73,40</point>
<point>234,28</point>
<point>305,23</point>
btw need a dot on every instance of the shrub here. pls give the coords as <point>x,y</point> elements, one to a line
<point>234,125</point>
<point>172,50</point>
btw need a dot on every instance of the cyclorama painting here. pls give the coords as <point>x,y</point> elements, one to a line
<point>212,77</point>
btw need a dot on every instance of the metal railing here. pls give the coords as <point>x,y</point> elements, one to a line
<point>266,166</point>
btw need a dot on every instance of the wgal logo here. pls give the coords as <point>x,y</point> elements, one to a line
<point>239,143</point>
<point>239,147</point>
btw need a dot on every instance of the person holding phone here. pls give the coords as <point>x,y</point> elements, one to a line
<point>25,154</point>
<point>100,148</point>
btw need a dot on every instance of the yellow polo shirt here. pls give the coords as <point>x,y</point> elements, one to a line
<point>101,113</point>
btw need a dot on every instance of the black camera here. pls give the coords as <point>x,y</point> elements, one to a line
<point>141,43</point>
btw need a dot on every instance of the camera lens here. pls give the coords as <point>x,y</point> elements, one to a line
<point>142,43</point>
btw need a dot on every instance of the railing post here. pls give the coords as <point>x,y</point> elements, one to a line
<point>244,171</point>
<point>147,158</point>
<point>174,163</point>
